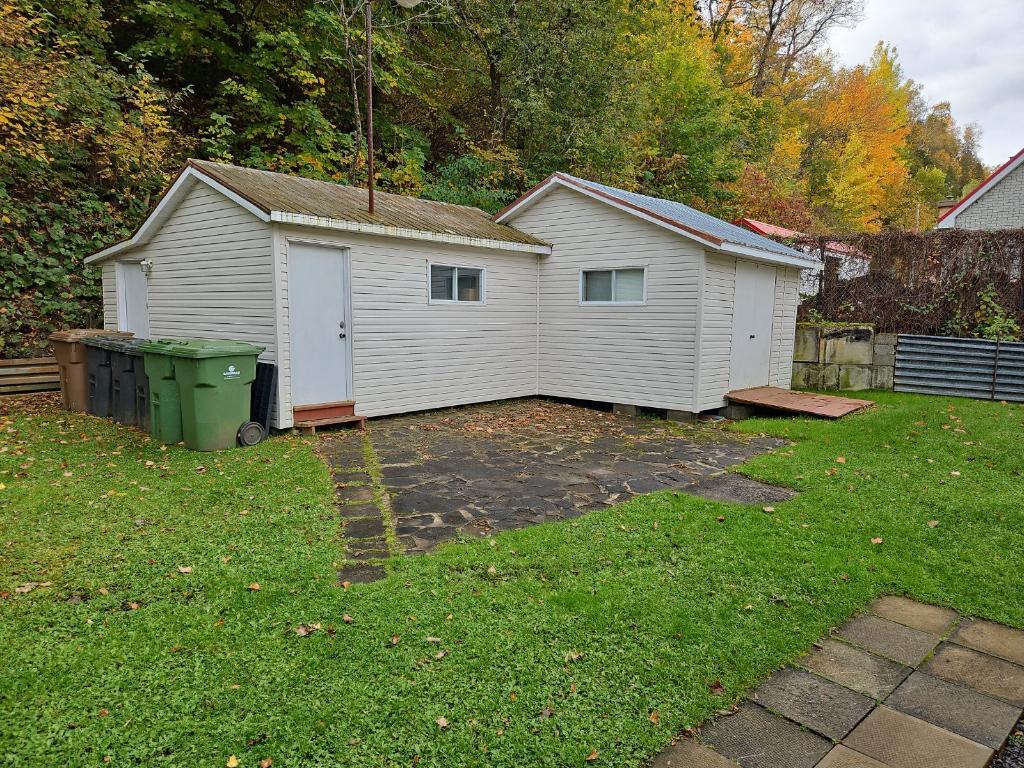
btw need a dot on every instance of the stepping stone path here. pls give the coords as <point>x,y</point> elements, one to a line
<point>409,483</point>
<point>902,685</point>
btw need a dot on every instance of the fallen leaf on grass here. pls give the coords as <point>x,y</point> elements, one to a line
<point>546,713</point>
<point>184,569</point>
<point>592,756</point>
<point>654,717</point>
<point>440,655</point>
<point>442,722</point>
<point>346,618</point>
<point>716,688</point>
<point>768,509</point>
<point>933,523</point>
<point>840,459</point>
<point>266,762</point>
<point>395,639</point>
<point>877,540</point>
<point>345,585</point>
<point>954,473</point>
<point>304,630</point>
<point>721,518</point>
<point>254,587</point>
<point>574,655</point>
<point>232,762</point>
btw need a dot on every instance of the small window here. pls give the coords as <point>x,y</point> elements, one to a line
<point>612,286</point>
<point>456,284</point>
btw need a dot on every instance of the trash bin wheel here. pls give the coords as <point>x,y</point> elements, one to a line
<point>251,433</point>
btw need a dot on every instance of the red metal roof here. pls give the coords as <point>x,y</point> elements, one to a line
<point>773,230</point>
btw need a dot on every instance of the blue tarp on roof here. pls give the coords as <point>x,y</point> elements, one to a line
<point>694,219</point>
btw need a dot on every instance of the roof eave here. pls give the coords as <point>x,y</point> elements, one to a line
<point>794,259</point>
<point>948,219</point>
<point>342,225</point>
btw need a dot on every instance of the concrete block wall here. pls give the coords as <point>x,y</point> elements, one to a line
<point>843,357</point>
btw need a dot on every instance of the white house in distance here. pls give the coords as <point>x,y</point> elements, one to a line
<point>576,290</point>
<point>996,203</point>
<point>850,262</point>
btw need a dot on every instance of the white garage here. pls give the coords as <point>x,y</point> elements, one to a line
<point>576,290</point>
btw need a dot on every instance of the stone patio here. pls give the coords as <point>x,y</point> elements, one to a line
<point>902,685</point>
<point>411,482</point>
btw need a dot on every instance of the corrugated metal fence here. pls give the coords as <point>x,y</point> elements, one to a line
<point>978,368</point>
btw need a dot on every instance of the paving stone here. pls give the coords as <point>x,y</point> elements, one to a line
<point>991,638</point>
<point>927,618</point>
<point>895,641</point>
<point>813,701</point>
<point>901,741</point>
<point>955,708</point>
<point>372,550</point>
<point>844,757</point>
<point>856,669</point>
<point>755,738</point>
<point>687,753</point>
<point>355,493</point>
<point>519,463</point>
<point>728,486</point>
<point>348,511</point>
<point>985,674</point>
<point>351,477</point>
<point>365,528</point>
<point>361,574</point>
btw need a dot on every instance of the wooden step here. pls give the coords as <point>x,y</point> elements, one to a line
<point>308,426</point>
<point>317,411</point>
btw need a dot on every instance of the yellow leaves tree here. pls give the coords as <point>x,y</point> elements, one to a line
<point>29,103</point>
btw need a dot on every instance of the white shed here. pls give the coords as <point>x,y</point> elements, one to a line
<point>594,293</point>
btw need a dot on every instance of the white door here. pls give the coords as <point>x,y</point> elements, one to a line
<point>320,317</point>
<point>753,312</point>
<point>134,299</point>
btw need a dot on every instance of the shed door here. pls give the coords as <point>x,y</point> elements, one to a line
<point>320,317</point>
<point>134,299</point>
<point>753,312</point>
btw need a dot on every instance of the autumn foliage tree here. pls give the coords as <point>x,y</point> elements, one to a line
<point>733,106</point>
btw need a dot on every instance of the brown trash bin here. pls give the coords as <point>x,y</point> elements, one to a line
<point>71,360</point>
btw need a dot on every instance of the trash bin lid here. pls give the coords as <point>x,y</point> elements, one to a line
<point>128,346</point>
<point>199,348</point>
<point>81,334</point>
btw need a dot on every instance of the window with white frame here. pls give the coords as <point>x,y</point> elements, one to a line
<point>461,285</point>
<point>612,286</point>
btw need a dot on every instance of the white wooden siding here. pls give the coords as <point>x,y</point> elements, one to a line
<point>716,330</point>
<point>411,355</point>
<point>213,274</point>
<point>108,277</point>
<point>639,355</point>
<point>787,299</point>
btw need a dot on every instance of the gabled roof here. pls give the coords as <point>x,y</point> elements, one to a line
<point>278,197</point>
<point>774,230</point>
<point>948,219</point>
<point>704,228</point>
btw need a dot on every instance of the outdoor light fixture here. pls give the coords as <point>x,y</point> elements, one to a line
<point>368,13</point>
<point>147,266</point>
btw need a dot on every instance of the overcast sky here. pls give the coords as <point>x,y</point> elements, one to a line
<point>967,53</point>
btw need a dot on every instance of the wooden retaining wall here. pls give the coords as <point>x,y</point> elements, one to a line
<point>29,374</point>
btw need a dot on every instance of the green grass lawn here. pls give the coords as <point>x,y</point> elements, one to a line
<point>538,648</point>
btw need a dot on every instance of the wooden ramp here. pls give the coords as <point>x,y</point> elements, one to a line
<point>809,403</point>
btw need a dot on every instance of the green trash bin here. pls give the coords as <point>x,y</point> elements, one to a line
<point>164,398</point>
<point>214,379</point>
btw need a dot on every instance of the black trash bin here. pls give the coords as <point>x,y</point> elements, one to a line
<point>129,402</point>
<point>100,380</point>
